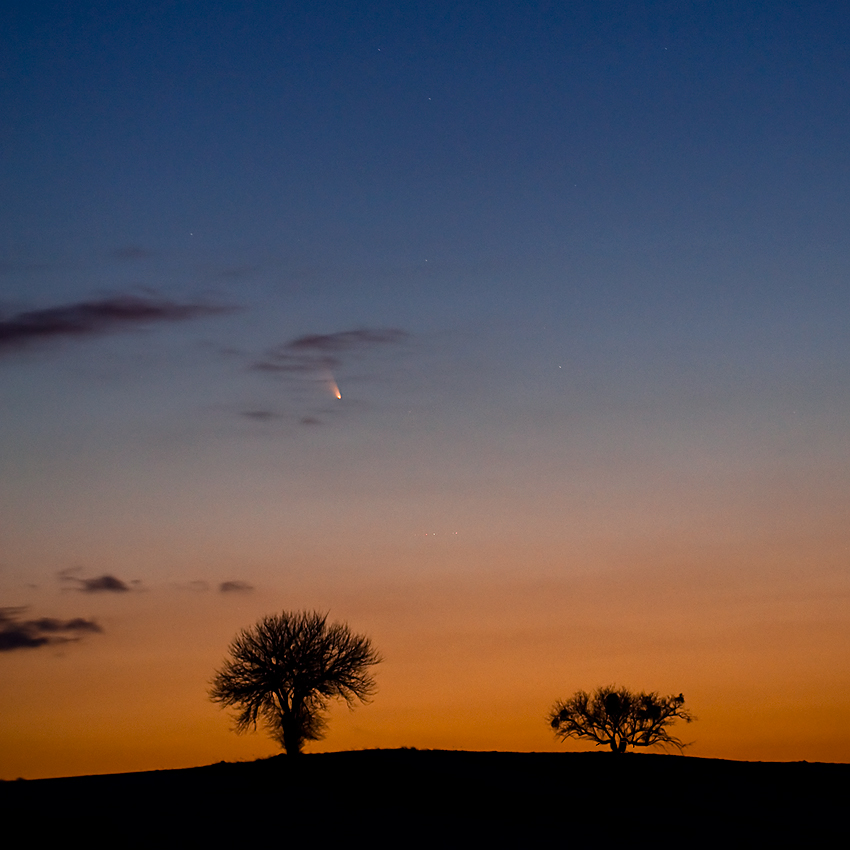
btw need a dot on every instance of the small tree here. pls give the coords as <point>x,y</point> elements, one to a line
<point>619,718</point>
<point>287,668</point>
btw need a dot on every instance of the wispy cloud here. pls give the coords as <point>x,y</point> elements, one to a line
<point>90,318</point>
<point>260,415</point>
<point>317,352</point>
<point>235,587</point>
<point>319,359</point>
<point>16,633</point>
<point>99,584</point>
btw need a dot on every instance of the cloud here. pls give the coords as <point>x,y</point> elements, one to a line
<point>346,340</point>
<point>318,352</point>
<point>105,583</point>
<point>100,584</point>
<point>306,363</point>
<point>260,415</point>
<point>16,633</point>
<point>235,587</point>
<point>89,318</point>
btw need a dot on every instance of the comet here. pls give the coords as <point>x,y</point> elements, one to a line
<point>333,387</point>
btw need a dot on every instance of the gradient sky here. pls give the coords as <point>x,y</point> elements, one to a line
<point>579,272</point>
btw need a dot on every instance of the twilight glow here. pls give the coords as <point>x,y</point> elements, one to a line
<point>581,274</point>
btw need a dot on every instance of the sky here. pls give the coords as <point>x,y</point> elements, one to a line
<point>515,335</point>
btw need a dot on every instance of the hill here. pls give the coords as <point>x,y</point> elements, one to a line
<point>382,797</point>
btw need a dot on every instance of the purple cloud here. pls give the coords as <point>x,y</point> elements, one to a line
<point>346,340</point>
<point>325,351</point>
<point>88,318</point>
<point>99,584</point>
<point>102,584</point>
<point>16,633</point>
<point>235,587</point>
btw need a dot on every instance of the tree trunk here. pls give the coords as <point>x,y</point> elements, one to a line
<point>293,740</point>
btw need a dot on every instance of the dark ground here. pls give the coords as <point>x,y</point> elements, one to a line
<point>390,797</point>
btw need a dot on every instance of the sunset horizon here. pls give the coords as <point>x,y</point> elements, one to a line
<point>514,336</point>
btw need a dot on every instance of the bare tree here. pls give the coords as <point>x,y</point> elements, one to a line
<point>287,668</point>
<point>619,718</point>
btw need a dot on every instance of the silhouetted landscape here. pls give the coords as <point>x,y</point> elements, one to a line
<point>450,795</point>
<point>479,368</point>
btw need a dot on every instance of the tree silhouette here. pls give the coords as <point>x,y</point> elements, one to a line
<point>619,718</point>
<point>287,668</point>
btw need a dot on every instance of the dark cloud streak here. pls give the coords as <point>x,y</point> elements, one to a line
<point>90,318</point>
<point>16,633</point>
<point>319,358</point>
<point>100,584</point>
<point>260,415</point>
<point>307,354</point>
<point>346,340</point>
<point>235,587</point>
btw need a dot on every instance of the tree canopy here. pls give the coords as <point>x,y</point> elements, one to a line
<point>618,718</point>
<point>287,668</point>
